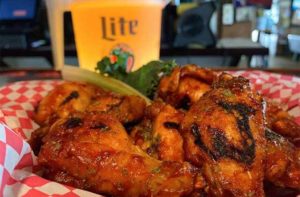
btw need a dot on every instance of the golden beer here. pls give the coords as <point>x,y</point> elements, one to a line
<point>128,29</point>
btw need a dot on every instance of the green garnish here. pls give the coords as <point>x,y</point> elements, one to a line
<point>57,146</point>
<point>145,134</point>
<point>155,170</point>
<point>145,79</point>
<point>71,73</point>
<point>228,93</point>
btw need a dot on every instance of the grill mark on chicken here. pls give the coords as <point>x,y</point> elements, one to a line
<point>185,103</point>
<point>72,95</point>
<point>73,122</point>
<point>100,126</point>
<point>221,145</point>
<point>242,113</point>
<point>198,141</point>
<point>225,149</point>
<point>171,125</point>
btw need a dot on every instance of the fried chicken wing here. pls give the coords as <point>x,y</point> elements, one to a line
<point>185,85</point>
<point>126,109</point>
<point>224,133</point>
<point>71,98</point>
<point>95,148</point>
<point>282,122</point>
<point>282,161</point>
<point>158,134</point>
<point>64,99</point>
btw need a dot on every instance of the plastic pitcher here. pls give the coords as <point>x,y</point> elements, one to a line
<point>128,29</point>
<point>55,10</point>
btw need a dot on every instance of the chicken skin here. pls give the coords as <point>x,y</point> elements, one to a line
<point>282,122</point>
<point>158,134</point>
<point>72,97</point>
<point>127,109</point>
<point>185,85</point>
<point>282,161</point>
<point>64,99</point>
<point>96,149</point>
<point>224,133</point>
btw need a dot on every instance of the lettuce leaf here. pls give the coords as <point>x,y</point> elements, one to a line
<point>145,79</point>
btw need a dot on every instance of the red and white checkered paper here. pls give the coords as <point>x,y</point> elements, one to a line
<point>17,103</point>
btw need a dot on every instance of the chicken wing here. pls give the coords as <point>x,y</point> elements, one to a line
<point>127,109</point>
<point>95,148</point>
<point>185,85</point>
<point>158,134</point>
<point>282,122</point>
<point>224,133</point>
<point>282,161</point>
<point>71,98</point>
<point>64,99</point>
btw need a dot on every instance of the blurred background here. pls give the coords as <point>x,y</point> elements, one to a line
<point>220,33</point>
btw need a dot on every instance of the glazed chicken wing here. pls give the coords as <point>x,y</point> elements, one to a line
<point>224,133</point>
<point>96,149</point>
<point>71,98</point>
<point>282,161</point>
<point>127,109</point>
<point>185,85</point>
<point>282,122</point>
<point>158,134</point>
<point>64,99</point>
